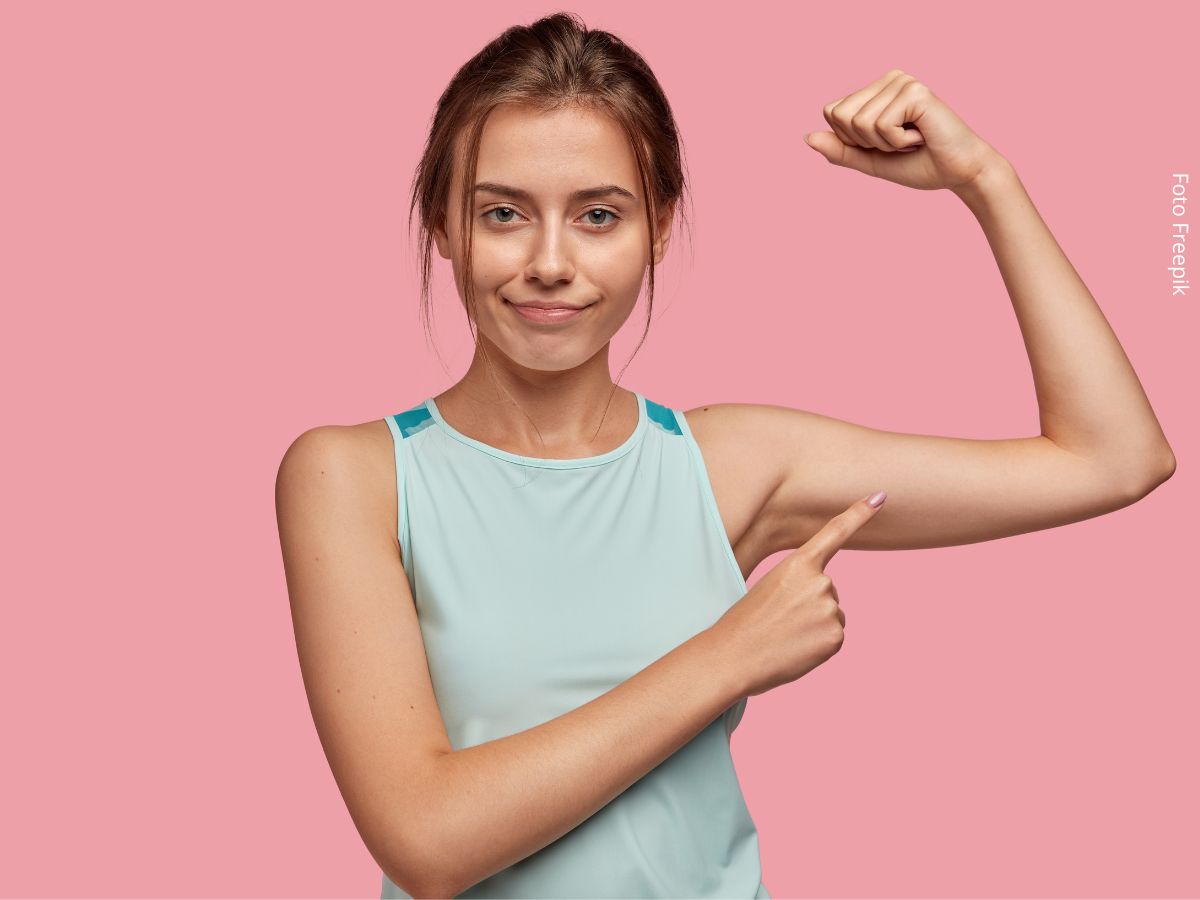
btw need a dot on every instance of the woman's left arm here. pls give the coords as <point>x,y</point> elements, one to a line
<point>1090,401</point>
<point>1100,448</point>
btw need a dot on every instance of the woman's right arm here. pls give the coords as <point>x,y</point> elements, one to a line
<point>505,799</point>
<point>436,820</point>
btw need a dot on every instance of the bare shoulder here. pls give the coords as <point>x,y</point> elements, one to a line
<point>743,473</point>
<point>356,461</point>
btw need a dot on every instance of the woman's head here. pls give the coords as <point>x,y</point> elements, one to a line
<point>542,113</point>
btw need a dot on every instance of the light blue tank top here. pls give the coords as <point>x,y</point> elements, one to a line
<point>541,584</point>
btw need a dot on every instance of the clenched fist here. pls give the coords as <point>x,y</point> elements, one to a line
<point>898,130</point>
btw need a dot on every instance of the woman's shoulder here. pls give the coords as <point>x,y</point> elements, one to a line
<point>357,460</point>
<point>351,441</point>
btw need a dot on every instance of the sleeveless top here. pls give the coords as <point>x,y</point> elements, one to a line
<point>541,584</point>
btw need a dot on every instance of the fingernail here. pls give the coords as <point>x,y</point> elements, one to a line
<point>877,498</point>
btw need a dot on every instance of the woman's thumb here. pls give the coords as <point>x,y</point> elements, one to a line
<point>819,141</point>
<point>830,146</point>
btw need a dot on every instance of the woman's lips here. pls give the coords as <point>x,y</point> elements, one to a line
<point>548,316</point>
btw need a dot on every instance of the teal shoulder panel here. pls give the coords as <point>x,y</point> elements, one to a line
<point>663,417</point>
<point>413,420</point>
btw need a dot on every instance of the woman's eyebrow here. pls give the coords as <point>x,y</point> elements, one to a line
<point>604,190</point>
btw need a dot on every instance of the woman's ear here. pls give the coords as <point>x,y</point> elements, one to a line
<point>664,233</point>
<point>439,238</point>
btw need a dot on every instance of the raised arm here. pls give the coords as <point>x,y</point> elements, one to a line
<point>1090,401</point>
<point>1100,445</point>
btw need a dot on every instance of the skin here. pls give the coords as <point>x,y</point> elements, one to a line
<point>437,820</point>
<point>550,248</point>
<point>779,474</point>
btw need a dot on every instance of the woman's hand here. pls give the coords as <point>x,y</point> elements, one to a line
<point>937,150</point>
<point>790,622</point>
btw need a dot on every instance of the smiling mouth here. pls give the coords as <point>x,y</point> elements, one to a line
<point>548,316</point>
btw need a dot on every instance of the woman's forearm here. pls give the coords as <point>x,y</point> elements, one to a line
<point>1089,398</point>
<point>501,801</point>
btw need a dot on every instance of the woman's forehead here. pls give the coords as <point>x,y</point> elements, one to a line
<point>554,153</point>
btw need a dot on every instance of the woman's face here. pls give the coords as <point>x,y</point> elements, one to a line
<point>537,239</point>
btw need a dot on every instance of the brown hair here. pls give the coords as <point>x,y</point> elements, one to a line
<point>553,63</point>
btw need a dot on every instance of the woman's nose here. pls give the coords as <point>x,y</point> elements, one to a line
<point>551,256</point>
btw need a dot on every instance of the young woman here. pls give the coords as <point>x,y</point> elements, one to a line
<point>520,606</point>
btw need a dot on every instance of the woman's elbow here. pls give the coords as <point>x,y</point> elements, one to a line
<point>1146,478</point>
<point>421,865</point>
<point>421,882</point>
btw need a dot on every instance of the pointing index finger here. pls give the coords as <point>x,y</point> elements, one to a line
<point>822,546</point>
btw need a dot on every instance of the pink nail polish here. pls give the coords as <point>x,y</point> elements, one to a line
<point>877,498</point>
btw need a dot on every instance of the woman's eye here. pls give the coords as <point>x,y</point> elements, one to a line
<point>506,211</point>
<point>500,209</point>
<point>604,212</point>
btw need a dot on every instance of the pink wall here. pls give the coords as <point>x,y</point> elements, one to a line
<point>204,254</point>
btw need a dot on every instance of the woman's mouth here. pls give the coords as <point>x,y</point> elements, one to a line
<point>548,316</point>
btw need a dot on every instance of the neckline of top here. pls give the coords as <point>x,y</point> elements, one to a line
<point>546,462</point>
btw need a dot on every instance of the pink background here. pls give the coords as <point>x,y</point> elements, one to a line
<point>204,254</point>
